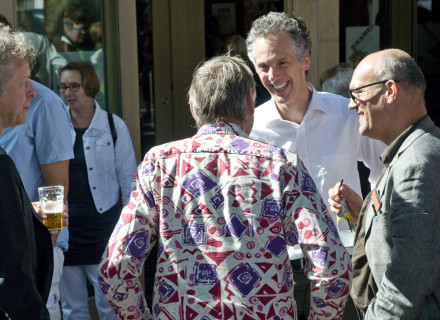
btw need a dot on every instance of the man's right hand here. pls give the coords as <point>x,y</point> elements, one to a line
<point>354,200</point>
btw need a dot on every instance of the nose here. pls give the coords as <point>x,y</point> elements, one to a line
<point>272,74</point>
<point>30,90</point>
<point>353,105</point>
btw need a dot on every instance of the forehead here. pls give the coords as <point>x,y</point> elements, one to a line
<point>19,69</point>
<point>362,75</point>
<point>275,45</point>
<point>68,76</point>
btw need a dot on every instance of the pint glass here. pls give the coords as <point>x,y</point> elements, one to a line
<point>52,205</point>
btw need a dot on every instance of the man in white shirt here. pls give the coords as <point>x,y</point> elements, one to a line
<point>317,126</point>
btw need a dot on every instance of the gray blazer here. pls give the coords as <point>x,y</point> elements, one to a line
<point>402,238</point>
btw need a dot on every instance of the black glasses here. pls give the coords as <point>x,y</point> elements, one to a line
<point>350,92</point>
<point>74,87</point>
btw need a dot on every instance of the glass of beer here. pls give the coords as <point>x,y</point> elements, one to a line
<point>52,205</point>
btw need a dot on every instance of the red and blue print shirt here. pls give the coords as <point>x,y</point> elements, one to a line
<point>221,208</point>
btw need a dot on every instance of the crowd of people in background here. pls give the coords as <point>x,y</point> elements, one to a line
<point>245,216</point>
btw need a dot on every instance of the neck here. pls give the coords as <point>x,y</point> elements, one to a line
<point>296,110</point>
<point>82,117</point>
<point>402,127</point>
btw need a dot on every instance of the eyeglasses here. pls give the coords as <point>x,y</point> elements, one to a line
<point>74,87</point>
<point>350,92</point>
<point>79,29</point>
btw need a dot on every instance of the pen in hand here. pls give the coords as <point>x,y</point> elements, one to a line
<point>345,210</point>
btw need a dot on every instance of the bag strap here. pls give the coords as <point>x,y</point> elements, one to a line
<point>112,128</point>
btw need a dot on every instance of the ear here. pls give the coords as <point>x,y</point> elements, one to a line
<point>192,111</point>
<point>250,101</point>
<point>391,91</point>
<point>306,62</point>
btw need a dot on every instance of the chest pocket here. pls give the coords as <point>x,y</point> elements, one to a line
<point>105,156</point>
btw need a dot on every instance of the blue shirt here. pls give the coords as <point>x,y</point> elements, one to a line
<point>110,169</point>
<point>45,137</point>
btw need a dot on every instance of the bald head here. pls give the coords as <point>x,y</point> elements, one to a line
<point>395,99</point>
<point>397,64</point>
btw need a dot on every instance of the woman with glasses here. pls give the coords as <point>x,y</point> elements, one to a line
<point>104,165</point>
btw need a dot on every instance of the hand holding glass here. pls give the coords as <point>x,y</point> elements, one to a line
<point>52,205</point>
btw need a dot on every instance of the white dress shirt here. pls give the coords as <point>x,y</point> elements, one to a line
<point>327,141</point>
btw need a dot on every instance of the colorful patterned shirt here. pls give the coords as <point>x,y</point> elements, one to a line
<point>221,209</point>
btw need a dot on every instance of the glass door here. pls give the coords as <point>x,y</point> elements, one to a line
<point>64,31</point>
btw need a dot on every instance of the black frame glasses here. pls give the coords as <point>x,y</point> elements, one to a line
<point>350,92</point>
<point>74,87</point>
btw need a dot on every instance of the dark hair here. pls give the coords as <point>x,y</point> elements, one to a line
<point>5,21</point>
<point>89,78</point>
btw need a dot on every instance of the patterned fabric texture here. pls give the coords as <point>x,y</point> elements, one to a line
<point>221,209</point>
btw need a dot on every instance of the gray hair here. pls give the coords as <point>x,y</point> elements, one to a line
<point>401,67</point>
<point>219,88</point>
<point>339,83</point>
<point>14,52</point>
<point>275,23</point>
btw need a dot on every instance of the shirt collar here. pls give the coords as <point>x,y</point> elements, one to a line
<point>96,122</point>
<point>222,128</point>
<point>316,103</point>
<point>390,152</point>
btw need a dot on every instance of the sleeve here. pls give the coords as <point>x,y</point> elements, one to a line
<point>134,236</point>
<point>328,264</point>
<point>369,153</point>
<point>53,138</point>
<point>124,158</point>
<point>17,282</point>
<point>413,273</point>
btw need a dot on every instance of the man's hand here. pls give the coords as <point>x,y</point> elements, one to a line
<point>354,200</point>
<point>42,216</point>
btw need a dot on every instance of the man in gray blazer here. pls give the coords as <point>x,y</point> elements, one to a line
<point>398,231</point>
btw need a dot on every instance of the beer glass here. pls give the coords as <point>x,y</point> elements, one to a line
<point>52,205</point>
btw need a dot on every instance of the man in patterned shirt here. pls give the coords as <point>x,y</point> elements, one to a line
<point>221,209</point>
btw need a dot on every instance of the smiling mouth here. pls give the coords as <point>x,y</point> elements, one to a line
<point>280,86</point>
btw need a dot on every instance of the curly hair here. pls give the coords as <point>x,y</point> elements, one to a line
<point>14,52</point>
<point>275,23</point>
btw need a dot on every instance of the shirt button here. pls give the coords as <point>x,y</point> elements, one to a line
<point>100,209</point>
<point>108,143</point>
<point>88,148</point>
<point>94,188</point>
<point>90,168</point>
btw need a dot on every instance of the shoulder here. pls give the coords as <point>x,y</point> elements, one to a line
<point>332,102</point>
<point>263,109</point>
<point>7,167</point>
<point>119,123</point>
<point>46,97</point>
<point>424,148</point>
